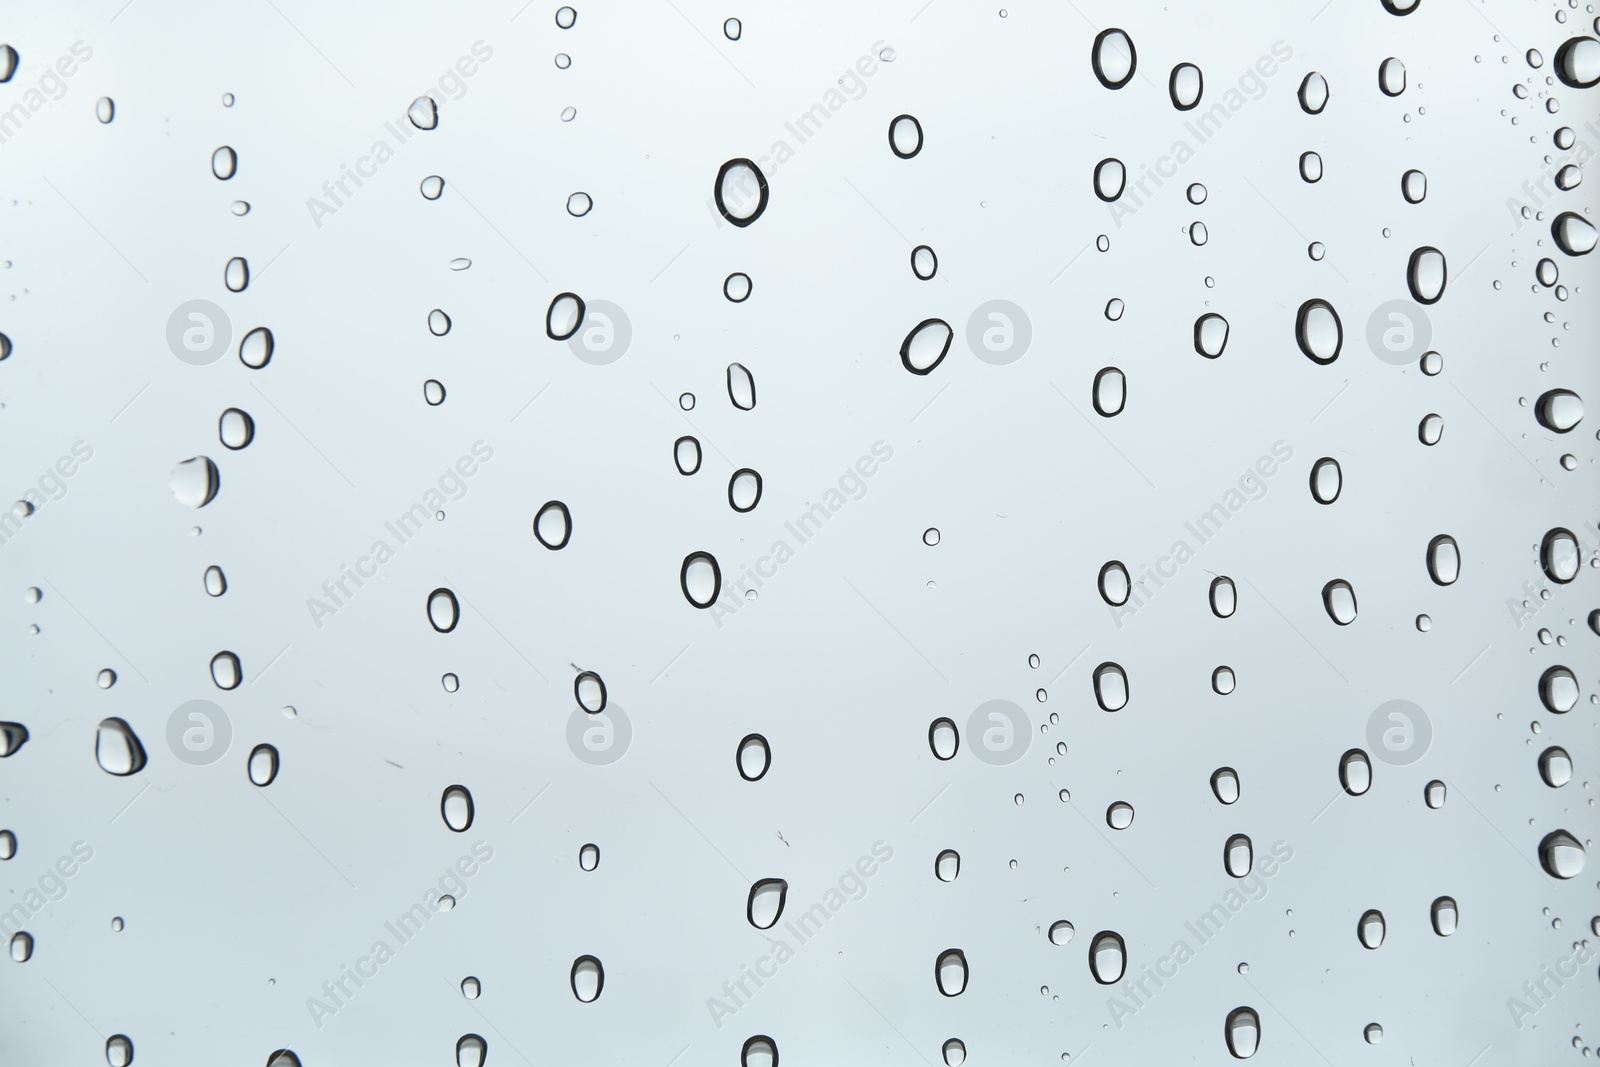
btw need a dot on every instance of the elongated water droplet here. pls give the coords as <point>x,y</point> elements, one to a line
<point>1430,429</point>
<point>1414,186</point>
<point>1444,560</point>
<point>1327,479</point>
<point>262,767</point>
<point>589,857</point>
<point>215,582</point>
<point>564,316</point>
<point>1559,410</point>
<point>701,579</point>
<point>1318,331</point>
<point>1558,689</point>
<point>117,748</point>
<point>438,322</point>
<point>760,1050</point>
<point>1546,272</point>
<point>753,757</point>
<point>744,490</point>
<point>1238,855</point>
<point>943,738</point>
<point>905,136</point>
<point>471,1051</point>
<point>740,192</point>
<point>1109,178</point>
<point>947,865</point>
<point>106,678</point>
<point>225,670</point>
<point>1561,855</point>
<point>950,972</point>
<point>456,808</point>
<point>1242,1030</point>
<point>119,1050</point>
<point>552,525</point>
<point>1355,772</point>
<point>1110,392</point>
<point>686,455</point>
<point>589,689</point>
<point>924,263</point>
<point>1433,794</point>
<point>224,162</point>
<point>236,275</point>
<point>433,392</point>
<point>1119,815</point>
<point>1313,93</point>
<point>444,610</point>
<point>1110,687</point>
<point>1113,58</point>
<point>1370,928</point>
<point>954,1052</point>
<point>764,906</point>
<point>1225,784</point>
<point>1574,234</point>
<point>1339,599</point>
<point>1210,335</point>
<point>1392,77</point>
<point>1311,167</point>
<point>255,348</point>
<point>1185,86</point>
<point>8,844</point>
<point>1426,274</point>
<point>1114,583</point>
<point>105,109</point>
<point>1222,681</point>
<point>236,429</point>
<point>195,482</point>
<point>1555,766</point>
<point>1444,916</point>
<point>741,387</point>
<point>1559,555</point>
<point>21,946</point>
<point>1224,597</point>
<point>588,979</point>
<point>926,345</point>
<point>1108,957</point>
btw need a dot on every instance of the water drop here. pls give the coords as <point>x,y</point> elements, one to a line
<point>686,455</point>
<point>21,945</point>
<point>1185,85</point>
<point>106,678</point>
<point>1110,687</point>
<point>105,109</point>
<point>732,29</point>
<point>753,757</point>
<point>1560,556</point>
<point>456,808</point>
<point>943,738</point>
<point>1559,410</point>
<point>701,579</point>
<point>589,857</point>
<point>744,490</point>
<point>1433,794</point>
<point>905,136</point>
<point>1313,93</point>
<point>1119,815</point>
<point>950,972</point>
<point>224,163</point>
<point>1370,928</point>
<point>1108,957</point>
<point>432,187</point>
<point>926,346</point>
<point>1392,77</point>
<point>1311,167</point>
<point>1242,1031</point>
<point>236,429</point>
<point>1558,689</point>
<point>1339,599</point>
<point>1210,335</point>
<point>588,978</point>
<point>764,906</point>
<point>255,348</point>
<point>736,287</point>
<point>1414,186</point>
<point>552,525</point>
<point>215,582</point>
<point>1318,331</point>
<point>236,275</point>
<point>740,192</point>
<point>262,766</point>
<point>423,113</point>
<point>1114,58</point>
<point>564,316</point>
<point>579,204</point>
<point>1110,392</point>
<point>1327,478</point>
<point>1430,429</point>
<point>1444,916</point>
<point>1561,855</point>
<point>1577,62</point>
<point>947,865</point>
<point>1225,784</point>
<point>741,387</point>
<point>1355,772</point>
<point>1574,234</point>
<point>471,1051</point>
<point>1555,767</point>
<point>1114,583</point>
<point>433,392</point>
<point>924,263</point>
<point>117,748</point>
<point>444,611</point>
<point>1109,178</point>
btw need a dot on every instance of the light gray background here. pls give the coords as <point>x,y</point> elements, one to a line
<point>239,906</point>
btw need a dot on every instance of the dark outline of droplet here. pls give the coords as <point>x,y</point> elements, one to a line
<point>581,849</point>
<point>1127,686</point>
<point>1544,761</point>
<point>1094,57</point>
<point>895,149</point>
<point>1545,680</point>
<point>549,329</point>
<point>15,736</point>
<point>749,377</point>
<point>1433,547</point>
<point>472,810</point>
<point>1302,167</point>
<point>1361,926</point>
<point>1548,843</point>
<point>1403,77</point>
<point>1317,466</point>
<point>244,265</point>
<point>271,777</point>
<point>1227,1027</point>
<point>455,612</point>
<point>1300,93</point>
<point>1407,196</point>
<point>734,478</point>
<point>1238,789</point>
<point>1172,86</point>
<point>1555,229</point>
<point>26,940</point>
<point>1350,757</point>
<point>738,754</point>
<point>914,274</point>
<point>577,685</point>
<point>293,1061</point>
<point>1411,274</point>
<point>1217,674</point>
<point>1442,904</point>
<point>744,1051</point>
<point>1422,428</point>
<point>1227,855</point>
<point>761,184</point>
<point>1546,401</point>
<point>1227,329</point>
<point>944,1049</point>
<point>238,670</point>
<point>213,479</point>
<point>137,758</point>
<point>220,574</point>
<point>600,982</point>
<point>432,111</point>
<point>8,843</point>
<point>738,299</point>
<point>271,344</point>
<point>942,854</point>
<point>698,455</point>
<point>1100,581</point>
<point>126,1040</point>
<point>249,429</point>
<point>1300,327</point>
<point>716,578</point>
<point>1113,806</point>
<point>933,727</point>
<point>1094,393</point>
<point>1211,595</point>
<point>566,514</point>
<point>1094,943</point>
<point>1563,55</point>
<point>234,158</point>
<point>938,966</point>
<point>1546,550</point>
<point>483,1047</point>
<point>905,346</point>
<point>750,901</point>
<point>1121,186</point>
<point>1444,793</point>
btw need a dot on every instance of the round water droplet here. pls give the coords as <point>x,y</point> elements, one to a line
<point>1061,932</point>
<point>552,525</point>
<point>736,287</point>
<point>1242,1032</point>
<point>753,757</point>
<point>732,29</point>
<point>1108,957</point>
<point>924,263</point>
<point>925,347</point>
<point>225,670</point>
<point>117,748</point>
<point>106,678</point>
<point>471,987</point>
<point>444,611</point>
<point>905,136</point>
<point>438,323</point>
<point>740,192</point>
<point>432,187</point>
<point>236,429</point>
<point>1559,410</point>
<point>566,17</point>
<point>1561,855</point>
<point>1119,815</point>
<point>423,113</point>
<point>1185,85</point>
<point>701,579</point>
<point>262,767</point>
<point>1225,784</point>
<point>686,455</point>
<point>1555,767</point>
<point>456,808</point>
<point>1355,772</point>
<point>450,682</point>
<point>1558,689</point>
<point>1109,178</point>
<point>1313,93</point>
<point>1577,62</point>
<point>1210,335</point>
<point>224,163</point>
<point>579,204</point>
<point>950,972</point>
<point>236,275</point>
<point>1318,331</point>
<point>1113,58</point>
<point>564,316</point>
<point>1110,687</point>
<point>255,348</point>
<point>1224,597</point>
<point>1238,854</point>
<point>433,392</point>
